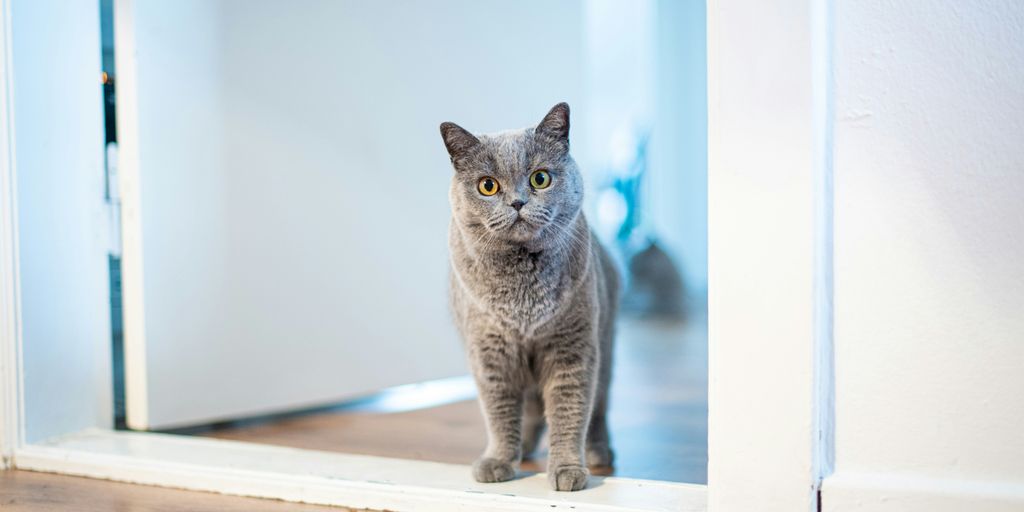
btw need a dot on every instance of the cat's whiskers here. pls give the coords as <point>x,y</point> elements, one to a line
<point>573,243</point>
<point>540,216</point>
<point>501,220</point>
<point>475,241</point>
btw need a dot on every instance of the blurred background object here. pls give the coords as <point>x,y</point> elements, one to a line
<point>654,286</point>
<point>647,156</point>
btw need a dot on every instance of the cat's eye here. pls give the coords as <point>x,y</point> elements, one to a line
<point>487,186</point>
<point>540,179</point>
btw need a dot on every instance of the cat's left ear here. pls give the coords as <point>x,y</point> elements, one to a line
<point>457,140</point>
<point>556,123</point>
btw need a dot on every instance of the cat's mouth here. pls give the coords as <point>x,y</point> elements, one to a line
<point>517,219</point>
<point>518,227</point>
<point>522,228</point>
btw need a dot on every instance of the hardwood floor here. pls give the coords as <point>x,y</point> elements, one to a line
<point>22,491</point>
<point>658,414</point>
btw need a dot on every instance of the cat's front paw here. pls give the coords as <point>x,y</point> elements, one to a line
<point>568,477</point>
<point>487,470</point>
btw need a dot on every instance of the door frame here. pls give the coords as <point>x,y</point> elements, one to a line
<point>770,253</point>
<point>769,306</point>
<point>11,412</point>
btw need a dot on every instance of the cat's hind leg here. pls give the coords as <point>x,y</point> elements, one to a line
<point>599,451</point>
<point>533,422</point>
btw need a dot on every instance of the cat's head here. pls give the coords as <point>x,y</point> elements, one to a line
<point>519,186</point>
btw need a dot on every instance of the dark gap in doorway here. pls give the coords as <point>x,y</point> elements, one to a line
<point>113,200</point>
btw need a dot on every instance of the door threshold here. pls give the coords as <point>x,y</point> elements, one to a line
<point>329,478</point>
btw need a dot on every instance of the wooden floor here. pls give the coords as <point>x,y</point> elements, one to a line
<point>658,414</point>
<point>22,491</point>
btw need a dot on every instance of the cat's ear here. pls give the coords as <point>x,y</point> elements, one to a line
<point>457,140</point>
<point>556,123</point>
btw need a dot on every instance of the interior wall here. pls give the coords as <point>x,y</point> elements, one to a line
<point>62,218</point>
<point>929,256</point>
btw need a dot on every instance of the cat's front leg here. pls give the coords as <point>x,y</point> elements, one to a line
<point>568,388</point>
<point>498,370</point>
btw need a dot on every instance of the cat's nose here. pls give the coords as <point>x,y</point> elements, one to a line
<point>517,204</point>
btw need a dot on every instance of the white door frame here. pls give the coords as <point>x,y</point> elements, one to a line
<point>770,246</point>
<point>11,415</point>
<point>769,314</point>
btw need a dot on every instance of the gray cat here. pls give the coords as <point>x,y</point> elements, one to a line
<point>534,297</point>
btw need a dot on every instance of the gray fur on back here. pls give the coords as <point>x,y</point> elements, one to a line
<point>534,296</point>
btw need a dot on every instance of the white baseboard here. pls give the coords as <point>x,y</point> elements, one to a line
<point>885,492</point>
<point>327,478</point>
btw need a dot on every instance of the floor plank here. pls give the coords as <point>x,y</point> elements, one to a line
<point>658,414</point>
<point>42,492</point>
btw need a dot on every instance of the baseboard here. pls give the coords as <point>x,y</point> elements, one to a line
<point>885,492</point>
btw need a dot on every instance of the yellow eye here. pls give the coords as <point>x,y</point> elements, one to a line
<point>487,186</point>
<point>540,179</point>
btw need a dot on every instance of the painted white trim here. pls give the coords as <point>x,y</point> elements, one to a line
<point>767,254</point>
<point>325,478</point>
<point>893,492</point>
<point>824,197</point>
<point>132,302</point>
<point>11,403</point>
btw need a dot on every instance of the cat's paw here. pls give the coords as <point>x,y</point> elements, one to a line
<point>600,455</point>
<point>487,470</point>
<point>568,477</point>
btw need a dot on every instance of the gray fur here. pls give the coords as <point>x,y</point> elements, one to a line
<point>534,297</point>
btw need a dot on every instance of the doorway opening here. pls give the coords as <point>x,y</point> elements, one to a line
<point>262,129</point>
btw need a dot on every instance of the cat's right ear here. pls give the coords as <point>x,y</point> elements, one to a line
<point>457,140</point>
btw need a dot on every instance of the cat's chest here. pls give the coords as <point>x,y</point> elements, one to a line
<point>523,291</point>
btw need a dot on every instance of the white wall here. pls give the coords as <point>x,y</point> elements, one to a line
<point>62,221</point>
<point>929,256</point>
